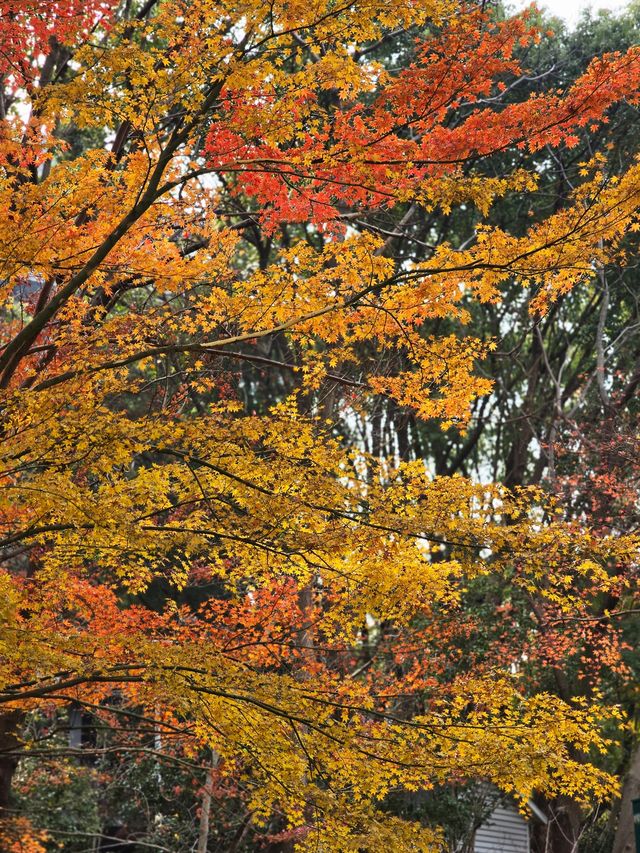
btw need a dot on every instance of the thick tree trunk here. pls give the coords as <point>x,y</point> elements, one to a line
<point>9,746</point>
<point>624,840</point>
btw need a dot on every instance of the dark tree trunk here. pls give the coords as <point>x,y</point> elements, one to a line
<point>562,833</point>
<point>9,745</point>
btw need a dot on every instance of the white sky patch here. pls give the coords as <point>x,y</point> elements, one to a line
<point>570,10</point>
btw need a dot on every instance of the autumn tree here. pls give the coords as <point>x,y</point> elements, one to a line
<point>187,186</point>
<point>564,394</point>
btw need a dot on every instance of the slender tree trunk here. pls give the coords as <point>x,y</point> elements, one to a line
<point>205,812</point>
<point>624,840</point>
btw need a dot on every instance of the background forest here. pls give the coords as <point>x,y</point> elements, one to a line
<point>335,581</point>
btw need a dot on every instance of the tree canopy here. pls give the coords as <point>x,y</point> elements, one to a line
<point>233,234</point>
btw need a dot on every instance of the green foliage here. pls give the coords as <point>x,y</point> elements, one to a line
<point>63,799</point>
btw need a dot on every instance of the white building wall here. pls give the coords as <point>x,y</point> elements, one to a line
<point>506,831</point>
